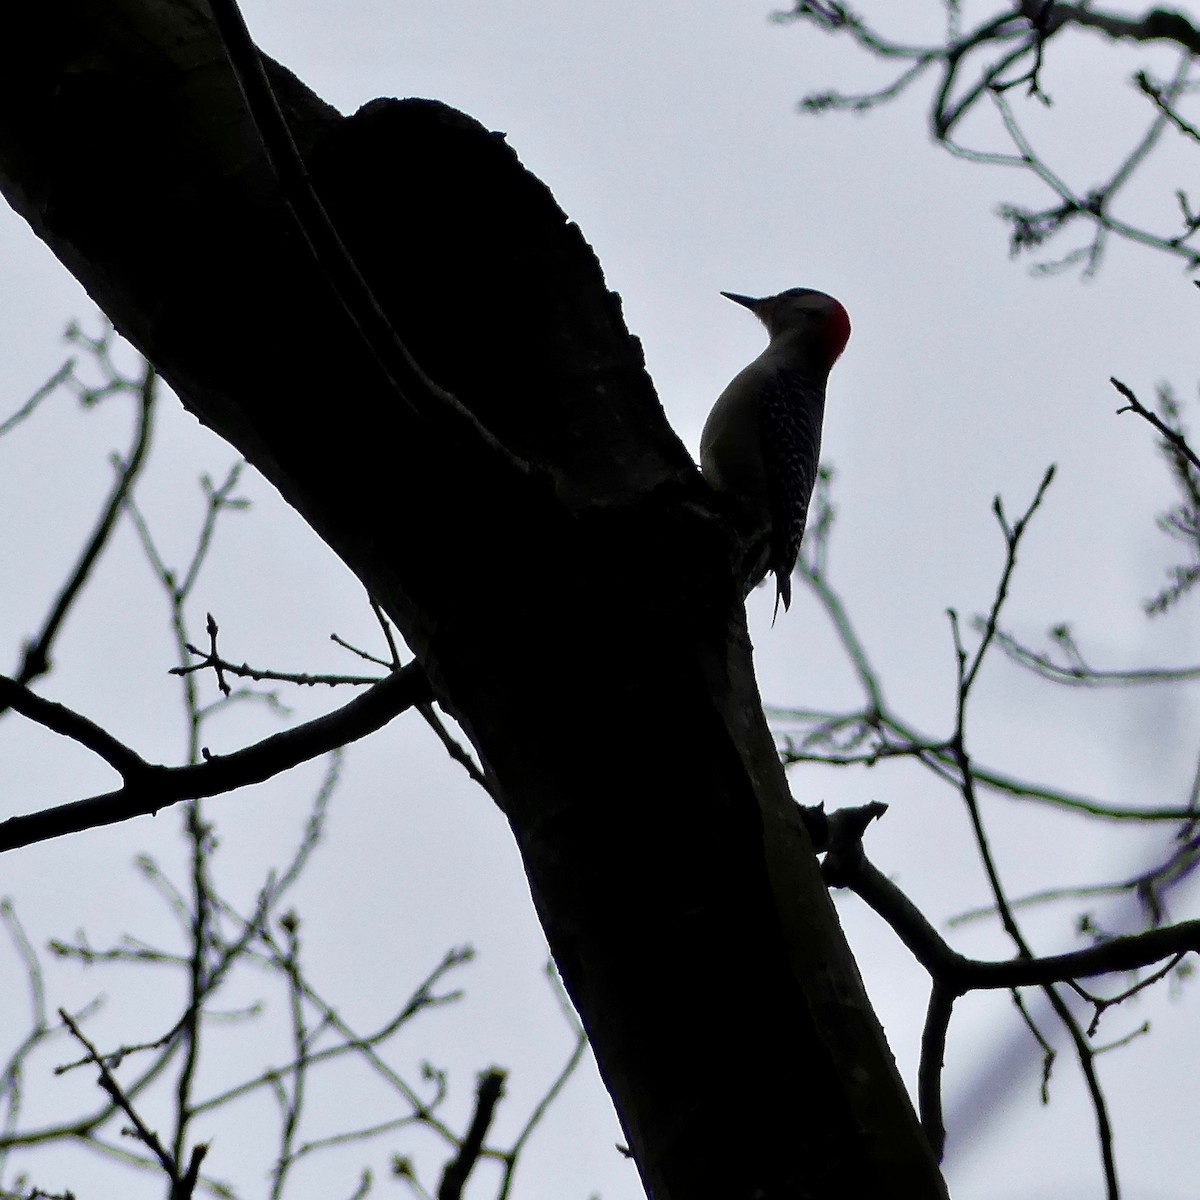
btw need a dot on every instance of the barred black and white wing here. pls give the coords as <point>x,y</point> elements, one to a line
<point>792,410</point>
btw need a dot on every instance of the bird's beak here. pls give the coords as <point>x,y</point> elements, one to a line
<point>745,301</point>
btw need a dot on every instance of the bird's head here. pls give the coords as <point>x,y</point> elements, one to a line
<point>812,318</point>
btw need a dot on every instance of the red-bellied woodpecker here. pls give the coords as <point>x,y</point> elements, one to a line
<point>762,441</point>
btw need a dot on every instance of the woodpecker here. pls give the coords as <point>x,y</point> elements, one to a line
<point>762,441</point>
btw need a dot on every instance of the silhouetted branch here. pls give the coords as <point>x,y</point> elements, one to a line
<point>929,1069</point>
<point>182,1184</point>
<point>1164,101</point>
<point>487,1095</point>
<point>1077,673</point>
<point>208,661</point>
<point>1171,436</point>
<point>954,975</point>
<point>35,660</point>
<point>1005,51</point>
<point>149,787</point>
<point>1155,25</point>
<point>65,372</point>
<point>876,733</point>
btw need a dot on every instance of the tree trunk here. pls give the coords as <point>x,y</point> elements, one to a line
<point>580,619</point>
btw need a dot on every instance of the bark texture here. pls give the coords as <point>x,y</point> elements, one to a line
<point>580,620</point>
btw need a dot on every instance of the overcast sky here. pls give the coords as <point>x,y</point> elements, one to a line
<point>668,131</point>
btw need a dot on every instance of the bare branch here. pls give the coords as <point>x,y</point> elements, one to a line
<point>1077,673</point>
<point>36,659</point>
<point>488,1093</point>
<point>954,975</point>
<point>1173,437</point>
<point>150,787</point>
<point>1164,101</point>
<point>1006,51</point>
<point>113,1089</point>
<point>1012,537</point>
<point>65,372</point>
<point>929,1072</point>
<point>206,660</point>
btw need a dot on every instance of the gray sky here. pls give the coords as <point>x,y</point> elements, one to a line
<point>668,132</point>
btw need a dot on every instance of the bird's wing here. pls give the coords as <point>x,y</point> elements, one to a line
<point>793,407</point>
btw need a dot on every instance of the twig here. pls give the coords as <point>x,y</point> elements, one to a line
<point>1049,1054</point>
<point>1079,674</point>
<point>1164,103</point>
<point>223,666</point>
<point>113,1090</point>
<point>65,372</point>
<point>1004,51</point>
<point>1174,438</point>
<point>512,1155</point>
<point>35,661</point>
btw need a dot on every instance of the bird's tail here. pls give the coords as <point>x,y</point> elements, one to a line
<point>783,592</point>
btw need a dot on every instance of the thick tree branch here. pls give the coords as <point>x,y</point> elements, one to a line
<point>676,886</point>
<point>1154,25</point>
<point>379,337</point>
